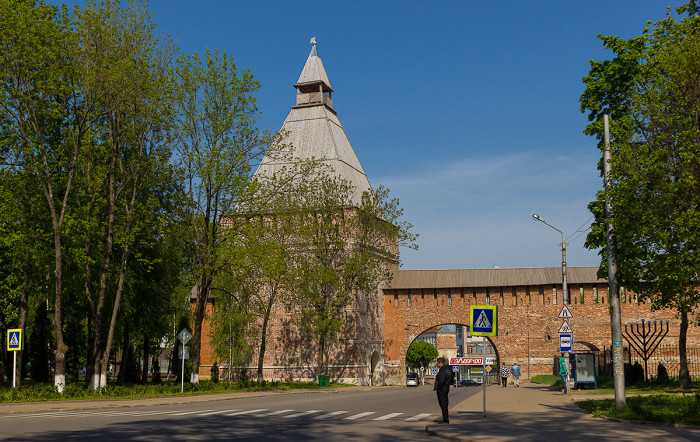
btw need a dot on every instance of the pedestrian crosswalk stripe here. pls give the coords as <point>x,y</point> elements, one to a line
<point>335,413</point>
<point>211,413</point>
<point>359,415</point>
<point>417,417</point>
<point>388,416</point>
<point>303,413</point>
<point>190,412</point>
<point>260,412</point>
<point>274,413</point>
<point>238,413</point>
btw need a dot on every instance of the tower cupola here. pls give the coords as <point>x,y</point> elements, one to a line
<point>313,86</point>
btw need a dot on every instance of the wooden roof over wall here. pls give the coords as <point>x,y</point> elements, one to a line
<point>496,277</point>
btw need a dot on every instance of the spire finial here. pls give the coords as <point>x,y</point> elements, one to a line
<point>314,51</point>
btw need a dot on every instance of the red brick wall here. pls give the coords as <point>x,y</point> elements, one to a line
<point>528,323</point>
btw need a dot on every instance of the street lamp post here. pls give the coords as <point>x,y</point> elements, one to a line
<point>564,287</point>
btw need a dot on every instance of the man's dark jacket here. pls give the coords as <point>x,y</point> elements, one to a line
<point>443,380</point>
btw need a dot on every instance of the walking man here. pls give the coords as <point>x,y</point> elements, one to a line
<point>515,371</point>
<point>442,387</point>
<point>504,375</point>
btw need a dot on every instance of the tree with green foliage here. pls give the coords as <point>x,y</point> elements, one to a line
<point>218,142</point>
<point>420,354</point>
<point>49,120</point>
<point>650,89</point>
<point>340,253</point>
<point>258,278</point>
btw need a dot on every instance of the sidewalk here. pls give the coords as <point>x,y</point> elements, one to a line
<point>537,412</point>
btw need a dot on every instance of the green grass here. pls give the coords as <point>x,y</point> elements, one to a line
<point>547,379</point>
<point>605,386</point>
<point>667,408</point>
<point>78,391</point>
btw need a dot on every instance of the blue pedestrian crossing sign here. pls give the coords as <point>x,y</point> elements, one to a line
<point>14,339</point>
<point>483,320</point>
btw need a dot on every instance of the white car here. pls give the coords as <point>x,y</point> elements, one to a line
<point>412,380</point>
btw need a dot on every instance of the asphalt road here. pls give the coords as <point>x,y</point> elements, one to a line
<point>378,414</point>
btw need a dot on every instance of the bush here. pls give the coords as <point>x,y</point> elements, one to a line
<point>215,373</point>
<point>662,374</point>
<point>637,373</point>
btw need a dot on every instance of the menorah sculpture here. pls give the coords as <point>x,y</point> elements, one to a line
<point>644,340</point>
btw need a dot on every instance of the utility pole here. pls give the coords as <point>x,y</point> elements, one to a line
<point>613,286</point>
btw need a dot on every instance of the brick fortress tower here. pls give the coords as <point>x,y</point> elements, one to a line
<point>312,130</point>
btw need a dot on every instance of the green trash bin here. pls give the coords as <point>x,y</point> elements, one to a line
<point>323,381</point>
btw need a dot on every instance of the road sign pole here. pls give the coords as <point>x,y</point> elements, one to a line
<point>182,373</point>
<point>14,371</point>
<point>483,372</point>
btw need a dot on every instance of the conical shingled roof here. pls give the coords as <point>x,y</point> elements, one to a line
<point>313,130</point>
<point>314,71</point>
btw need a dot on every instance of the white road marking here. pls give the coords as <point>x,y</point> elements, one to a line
<point>359,415</point>
<point>274,413</point>
<point>417,417</point>
<point>304,413</point>
<point>190,412</point>
<point>335,413</point>
<point>238,413</point>
<point>218,412</point>
<point>388,416</point>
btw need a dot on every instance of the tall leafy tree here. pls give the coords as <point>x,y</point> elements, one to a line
<point>652,88</point>
<point>258,277</point>
<point>341,253</point>
<point>50,119</point>
<point>127,149</point>
<point>218,142</point>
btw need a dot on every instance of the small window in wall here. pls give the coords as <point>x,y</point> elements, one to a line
<point>542,295</point>
<point>488,297</point>
<point>501,293</point>
<point>409,299</point>
<point>449,298</point>
<point>623,294</point>
<point>595,295</point>
<point>461,293</point>
<point>515,296</point>
<point>554,295</point>
<point>581,297</point>
<point>396,296</point>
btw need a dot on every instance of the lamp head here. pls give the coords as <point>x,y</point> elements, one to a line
<point>536,217</point>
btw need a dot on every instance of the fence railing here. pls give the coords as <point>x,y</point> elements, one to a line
<point>668,355</point>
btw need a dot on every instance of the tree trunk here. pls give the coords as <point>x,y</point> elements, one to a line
<point>263,337</point>
<point>144,373</point>
<point>22,319</point>
<point>319,361</point>
<point>90,363</point>
<point>61,347</point>
<point>199,311</point>
<point>126,348</point>
<point>100,378</point>
<point>684,374</point>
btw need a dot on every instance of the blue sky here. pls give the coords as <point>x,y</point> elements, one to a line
<point>468,111</point>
